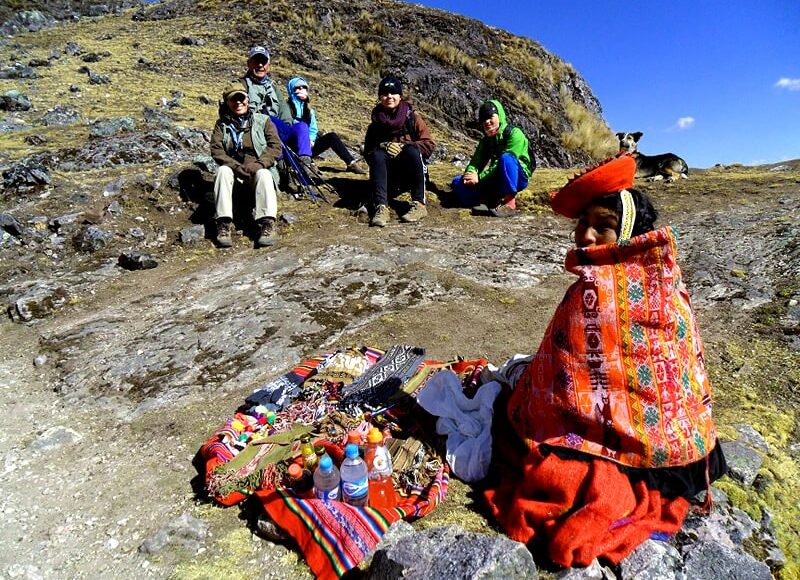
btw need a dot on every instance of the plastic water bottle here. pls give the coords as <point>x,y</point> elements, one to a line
<point>355,480</point>
<point>381,485</point>
<point>326,480</point>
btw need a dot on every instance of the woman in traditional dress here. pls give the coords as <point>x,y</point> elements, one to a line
<point>609,431</point>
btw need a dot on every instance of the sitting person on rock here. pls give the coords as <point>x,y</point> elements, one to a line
<point>396,146</point>
<point>499,168</point>
<point>299,105</point>
<point>245,146</point>
<point>608,431</point>
<point>265,97</point>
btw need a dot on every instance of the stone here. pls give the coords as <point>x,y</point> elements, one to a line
<point>56,437</point>
<point>91,239</point>
<point>109,127</point>
<point>713,561</point>
<point>98,79</point>
<point>184,531</point>
<point>59,116</point>
<point>743,462</point>
<point>28,172</point>
<point>18,71</point>
<point>192,234</point>
<point>72,49</point>
<point>654,560</point>
<point>137,233</point>
<point>593,571</point>
<point>40,360</point>
<point>113,187</point>
<point>35,140</point>
<point>59,222</point>
<point>38,301</point>
<point>13,100</point>
<point>114,208</point>
<point>11,225</point>
<point>133,260</point>
<point>205,162</point>
<point>26,21</point>
<point>288,218</point>
<point>450,552</point>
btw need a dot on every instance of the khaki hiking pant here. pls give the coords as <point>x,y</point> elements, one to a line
<point>261,183</point>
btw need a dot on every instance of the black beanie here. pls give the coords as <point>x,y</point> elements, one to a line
<point>390,85</point>
<point>486,111</point>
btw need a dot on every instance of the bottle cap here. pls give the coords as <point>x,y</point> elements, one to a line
<point>374,435</point>
<point>351,450</point>
<point>319,450</point>
<point>326,463</point>
<point>295,471</point>
<point>353,437</point>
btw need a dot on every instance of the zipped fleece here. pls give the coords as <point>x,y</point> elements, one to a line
<point>489,149</point>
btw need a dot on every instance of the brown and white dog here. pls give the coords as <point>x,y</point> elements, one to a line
<point>653,167</point>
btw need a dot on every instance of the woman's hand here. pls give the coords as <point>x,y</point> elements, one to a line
<point>393,148</point>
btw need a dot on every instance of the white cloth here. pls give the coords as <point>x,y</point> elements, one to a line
<point>509,372</point>
<point>466,422</point>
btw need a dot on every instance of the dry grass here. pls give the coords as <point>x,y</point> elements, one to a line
<point>589,133</point>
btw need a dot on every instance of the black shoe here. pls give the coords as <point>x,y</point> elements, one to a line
<point>481,209</point>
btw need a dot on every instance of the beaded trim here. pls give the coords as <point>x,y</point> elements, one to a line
<point>628,215</point>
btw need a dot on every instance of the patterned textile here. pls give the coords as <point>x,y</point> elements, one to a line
<point>375,387</point>
<point>581,510</point>
<point>333,536</point>
<point>620,371</point>
<point>278,393</point>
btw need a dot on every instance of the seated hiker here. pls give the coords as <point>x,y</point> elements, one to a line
<point>609,429</point>
<point>396,146</point>
<point>499,168</point>
<point>299,105</point>
<point>266,98</point>
<point>245,146</point>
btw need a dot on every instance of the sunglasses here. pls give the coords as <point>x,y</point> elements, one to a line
<point>238,98</point>
<point>300,87</point>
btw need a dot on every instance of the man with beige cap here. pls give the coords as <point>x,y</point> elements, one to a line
<point>245,146</point>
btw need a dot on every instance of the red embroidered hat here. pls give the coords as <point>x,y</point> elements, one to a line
<point>610,176</point>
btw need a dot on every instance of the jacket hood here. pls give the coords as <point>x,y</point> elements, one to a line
<point>501,115</point>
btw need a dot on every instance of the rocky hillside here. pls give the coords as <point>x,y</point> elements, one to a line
<point>130,337</point>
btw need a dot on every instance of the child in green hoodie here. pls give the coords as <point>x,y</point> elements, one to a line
<point>499,168</point>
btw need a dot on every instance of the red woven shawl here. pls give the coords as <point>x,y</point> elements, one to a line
<point>620,371</point>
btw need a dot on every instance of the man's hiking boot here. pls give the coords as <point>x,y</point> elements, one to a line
<point>224,233</point>
<point>502,211</point>
<point>416,213</point>
<point>268,233</point>
<point>381,217</point>
<point>354,167</point>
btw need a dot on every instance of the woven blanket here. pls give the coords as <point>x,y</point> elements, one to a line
<point>581,510</point>
<point>620,372</point>
<point>333,536</point>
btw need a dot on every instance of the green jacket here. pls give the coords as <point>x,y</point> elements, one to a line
<point>489,149</point>
<point>267,99</point>
<point>259,141</point>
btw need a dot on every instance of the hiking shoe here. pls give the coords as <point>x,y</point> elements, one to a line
<point>416,213</point>
<point>381,217</point>
<point>268,233</point>
<point>224,233</point>
<point>354,167</point>
<point>481,209</point>
<point>502,211</point>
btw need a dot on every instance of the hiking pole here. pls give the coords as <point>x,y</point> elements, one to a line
<point>298,171</point>
<point>306,173</point>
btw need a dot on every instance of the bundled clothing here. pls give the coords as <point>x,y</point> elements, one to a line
<point>502,162</point>
<point>302,112</point>
<point>407,170</point>
<point>240,142</point>
<point>611,420</point>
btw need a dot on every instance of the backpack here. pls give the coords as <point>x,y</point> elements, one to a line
<point>531,151</point>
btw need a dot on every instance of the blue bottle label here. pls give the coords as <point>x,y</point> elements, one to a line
<point>328,495</point>
<point>355,489</point>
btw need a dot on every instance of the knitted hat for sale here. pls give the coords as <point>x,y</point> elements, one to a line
<point>390,85</point>
<point>610,176</point>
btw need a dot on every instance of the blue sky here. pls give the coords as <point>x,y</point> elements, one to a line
<point>713,81</point>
